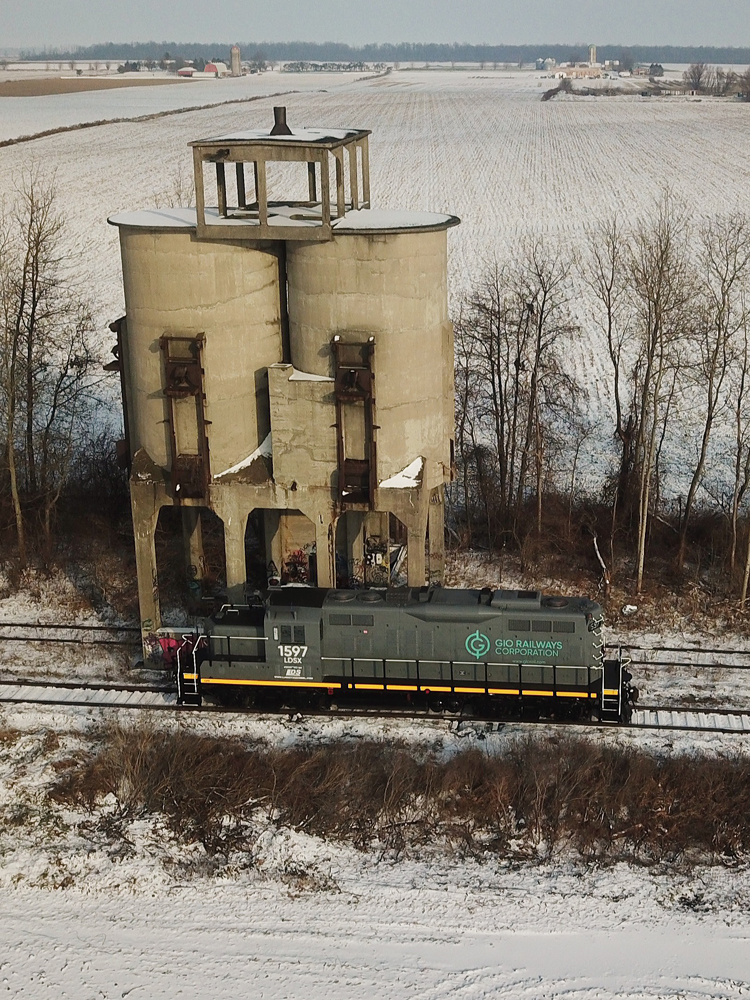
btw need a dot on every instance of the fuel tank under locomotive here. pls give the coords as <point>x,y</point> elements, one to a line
<point>515,650</point>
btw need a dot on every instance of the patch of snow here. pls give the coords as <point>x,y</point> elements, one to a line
<point>373,218</point>
<point>156,218</point>
<point>407,478</point>
<point>298,376</point>
<point>264,450</point>
<point>361,220</point>
<point>297,135</point>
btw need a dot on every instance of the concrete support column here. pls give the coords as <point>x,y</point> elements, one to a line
<point>436,535</point>
<point>324,552</point>
<point>415,562</point>
<point>376,528</point>
<point>145,509</point>
<point>192,537</point>
<point>234,550</point>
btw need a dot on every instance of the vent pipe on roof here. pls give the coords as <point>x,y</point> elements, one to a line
<point>280,126</point>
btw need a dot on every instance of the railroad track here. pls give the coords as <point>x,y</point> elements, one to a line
<point>686,656</point>
<point>160,698</point>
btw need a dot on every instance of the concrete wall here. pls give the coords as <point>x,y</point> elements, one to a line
<point>229,292</point>
<point>303,415</point>
<point>392,287</point>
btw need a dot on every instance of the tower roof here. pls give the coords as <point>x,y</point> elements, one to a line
<point>323,138</point>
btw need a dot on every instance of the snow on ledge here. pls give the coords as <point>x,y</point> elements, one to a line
<point>407,478</point>
<point>264,450</point>
<point>298,376</point>
<point>378,218</point>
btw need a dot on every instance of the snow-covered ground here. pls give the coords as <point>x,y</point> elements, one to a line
<point>386,932</point>
<point>88,912</point>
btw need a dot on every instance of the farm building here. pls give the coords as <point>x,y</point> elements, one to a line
<point>217,69</point>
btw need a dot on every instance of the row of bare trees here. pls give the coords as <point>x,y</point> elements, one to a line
<point>48,369</point>
<point>514,395</point>
<point>715,80</point>
<point>670,298</point>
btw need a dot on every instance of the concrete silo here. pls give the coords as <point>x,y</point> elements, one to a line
<point>376,295</point>
<point>289,358</point>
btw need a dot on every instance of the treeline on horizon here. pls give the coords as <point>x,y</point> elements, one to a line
<point>404,52</point>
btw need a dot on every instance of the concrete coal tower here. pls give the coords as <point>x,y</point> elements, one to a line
<point>287,370</point>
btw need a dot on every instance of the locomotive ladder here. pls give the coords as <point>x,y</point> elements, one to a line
<point>188,672</point>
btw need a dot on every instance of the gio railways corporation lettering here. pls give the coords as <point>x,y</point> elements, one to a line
<point>478,645</point>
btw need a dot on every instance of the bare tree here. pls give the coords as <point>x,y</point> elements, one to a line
<point>724,82</point>
<point>710,82</point>
<point>643,287</point>
<point>181,190</point>
<point>725,268</point>
<point>694,76</point>
<point>512,388</point>
<point>662,290</point>
<point>47,370</point>
<point>737,391</point>
<point>11,350</point>
<point>605,272</point>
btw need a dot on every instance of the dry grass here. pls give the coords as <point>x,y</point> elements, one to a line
<point>536,797</point>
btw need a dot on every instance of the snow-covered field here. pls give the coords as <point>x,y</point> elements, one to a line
<point>23,116</point>
<point>480,145</point>
<point>466,932</point>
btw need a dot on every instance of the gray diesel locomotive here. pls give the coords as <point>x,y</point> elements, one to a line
<point>505,651</point>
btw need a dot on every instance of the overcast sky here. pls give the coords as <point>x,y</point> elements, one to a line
<point>27,23</point>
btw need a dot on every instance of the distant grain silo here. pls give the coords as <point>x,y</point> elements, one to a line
<point>592,55</point>
<point>288,366</point>
<point>235,61</point>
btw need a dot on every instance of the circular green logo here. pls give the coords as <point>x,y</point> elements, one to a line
<point>478,644</point>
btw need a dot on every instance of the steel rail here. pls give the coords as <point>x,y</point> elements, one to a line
<point>676,649</point>
<point>71,627</point>
<point>81,685</point>
<point>70,642</point>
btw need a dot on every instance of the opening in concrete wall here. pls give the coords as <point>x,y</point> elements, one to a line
<point>398,551</point>
<point>289,547</point>
<point>190,560</point>
<point>258,562</point>
<point>370,549</point>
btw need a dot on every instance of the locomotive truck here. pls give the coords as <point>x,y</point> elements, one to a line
<point>512,653</point>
